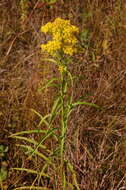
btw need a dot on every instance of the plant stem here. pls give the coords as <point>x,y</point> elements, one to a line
<point>62,121</point>
<point>63,128</point>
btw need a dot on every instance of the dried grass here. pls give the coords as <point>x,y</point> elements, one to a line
<point>96,139</point>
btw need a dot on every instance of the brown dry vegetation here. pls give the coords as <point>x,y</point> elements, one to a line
<point>96,143</point>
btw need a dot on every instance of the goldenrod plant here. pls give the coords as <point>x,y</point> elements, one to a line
<point>62,45</point>
<point>59,49</point>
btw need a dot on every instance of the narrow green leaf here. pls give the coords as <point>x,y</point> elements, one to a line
<point>49,133</point>
<point>70,167</point>
<point>28,132</point>
<point>50,2</point>
<point>55,108</point>
<point>32,141</point>
<point>48,84</point>
<point>85,103</point>
<point>43,119</point>
<point>33,187</point>
<point>31,171</point>
<point>64,180</point>
<point>31,150</point>
<point>50,60</point>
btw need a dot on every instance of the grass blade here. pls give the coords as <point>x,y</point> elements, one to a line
<point>48,84</point>
<point>30,149</point>
<point>43,119</point>
<point>33,187</point>
<point>28,132</point>
<point>70,167</point>
<point>85,103</point>
<point>49,133</point>
<point>31,141</point>
<point>31,171</point>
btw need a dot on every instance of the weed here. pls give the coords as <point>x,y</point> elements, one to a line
<point>62,34</point>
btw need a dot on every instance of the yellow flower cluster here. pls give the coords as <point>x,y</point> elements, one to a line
<point>63,39</point>
<point>62,68</point>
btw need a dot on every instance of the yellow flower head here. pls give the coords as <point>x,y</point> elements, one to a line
<point>63,38</point>
<point>51,47</point>
<point>62,68</point>
<point>69,50</point>
<point>46,28</point>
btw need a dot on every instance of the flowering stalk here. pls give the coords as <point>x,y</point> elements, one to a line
<point>63,119</point>
<point>62,45</point>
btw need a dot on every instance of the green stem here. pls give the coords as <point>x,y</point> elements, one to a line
<point>65,101</point>
<point>63,128</point>
<point>62,120</point>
